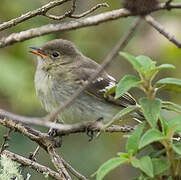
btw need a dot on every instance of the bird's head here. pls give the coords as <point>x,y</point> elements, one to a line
<point>57,51</point>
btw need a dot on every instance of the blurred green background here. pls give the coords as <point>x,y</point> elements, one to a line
<point>17,67</point>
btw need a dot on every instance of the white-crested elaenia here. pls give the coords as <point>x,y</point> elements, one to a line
<point>61,70</point>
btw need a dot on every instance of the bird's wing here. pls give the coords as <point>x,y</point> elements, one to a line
<point>101,84</point>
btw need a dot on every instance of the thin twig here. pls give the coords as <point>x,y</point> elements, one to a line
<point>32,155</point>
<point>90,10</point>
<point>150,20</point>
<point>94,128</point>
<point>71,15</point>
<point>43,139</point>
<point>120,45</point>
<point>11,120</point>
<point>40,11</point>
<point>56,160</point>
<point>167,4</point>
<point>66,14</point>
<point>89,21</point>
<point>65,26</point>
<point>34,165</point>
<point>6,139</point>
<point>72,170</point>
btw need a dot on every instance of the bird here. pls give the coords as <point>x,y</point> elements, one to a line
<point>61,70</point>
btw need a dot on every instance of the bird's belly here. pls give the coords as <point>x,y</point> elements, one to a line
<point>84,108</point>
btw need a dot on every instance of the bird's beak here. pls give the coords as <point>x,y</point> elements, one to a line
<point>38,52</point>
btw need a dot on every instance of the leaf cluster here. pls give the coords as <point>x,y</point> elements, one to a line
<point>157,133</point>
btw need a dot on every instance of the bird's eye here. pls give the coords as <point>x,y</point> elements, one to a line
<point>55,54</point>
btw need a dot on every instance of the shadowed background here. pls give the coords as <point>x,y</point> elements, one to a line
<point>17,67</point>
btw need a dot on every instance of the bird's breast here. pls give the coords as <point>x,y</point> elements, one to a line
<point>52,93</point>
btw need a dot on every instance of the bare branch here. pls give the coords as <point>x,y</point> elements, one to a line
<point>167,4</point>
<point>78,128</point>
<point>89,21</point>
<point>150,20</point>
<point>34,165</point>
<point>43,139</point>
<point>67,14</point>
<point>4,143</point>
<point>40,11</point>
<point>50,28</point>
<point>70,13</point>
<point>32,155</point>
<point>64,129</point>
<point>56,160</point>
<point>48,144</point>
<point>73,171</point>
<point>90,10</point>
<point>121,44</point>
<point>164,6</point>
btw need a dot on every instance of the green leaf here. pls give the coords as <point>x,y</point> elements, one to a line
<point>174,124</point>
<point>165,66</point>
<point>135,163</point>
<point>146,62</point>
<point>133,140</point>
<point>171,106</point>
<point>108,166</point>
<point>150,136</point>
<point>148,70</point>
<point>125,84</point>
<point>123,155</point>
<point>164,124</point>
<point>170,84</point>
<point>177,148</point>
<point>160,165</point>
<point>132,60</point>
<point>144,164</point>
<point>151,110</point>
<point>124,111</point>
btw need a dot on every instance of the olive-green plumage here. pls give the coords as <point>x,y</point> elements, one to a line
<point>61,70</point>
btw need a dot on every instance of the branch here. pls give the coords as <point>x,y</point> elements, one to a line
<point>93,127</point>
<point>5,140</point>
<point>70,13</point>
<point>43,139</point>
<point>34,165</point>
<point>167,6</point>
<point>56,160</point>
<point>67,14</point>
<point>150,20</point>
<point>50,28</point>
<point>89,21</point>
<point>12,121</point>
<point>73,171</point>
<point>33,154</point>
<point>90,10</point>
<point>40,11</point>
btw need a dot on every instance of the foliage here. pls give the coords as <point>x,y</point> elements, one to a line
<point>157,131</point>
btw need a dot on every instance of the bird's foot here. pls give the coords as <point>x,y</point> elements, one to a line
<point>52,132</point>
<point>90,130</point>
<point>58,139</point>
<point>90,133</point>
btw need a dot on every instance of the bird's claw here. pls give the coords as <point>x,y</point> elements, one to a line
<point>58,139</point>
<point>90,129</point>
<point>52,132</point>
